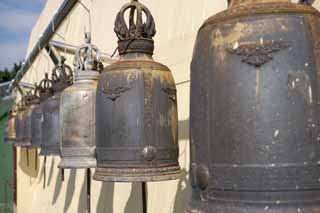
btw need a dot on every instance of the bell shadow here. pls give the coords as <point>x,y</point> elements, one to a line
<point>70,190</point>
<point>25,162</point>
<point>41,172</point>
<point>105,202</point>
<point>82,206</point>
<point>183,194</point>
<point>135,199</point>
<point>57,189</point>
<point>51,171</point>
<point>184,130</point>
<point>36,161</point>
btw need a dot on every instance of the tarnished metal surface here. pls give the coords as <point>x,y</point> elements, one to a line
<point>20,124</point>
<point>77,114</point>
<point>10,137</point>
<point>36,123</point>
<point>32,103</point>
<point>255,110</point>
<point>50,134</point>
<point>136,112</point>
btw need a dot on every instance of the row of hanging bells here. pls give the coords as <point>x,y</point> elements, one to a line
<point>123,121</point>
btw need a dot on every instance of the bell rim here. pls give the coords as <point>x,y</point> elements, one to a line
<point>156,176</point>
<point>77,162</point>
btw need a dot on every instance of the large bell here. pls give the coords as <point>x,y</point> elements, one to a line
<point>50,134</point>
<point>136,111</point>
<point>10,137</point>
<point>77,114</point>
<point>255,109</point>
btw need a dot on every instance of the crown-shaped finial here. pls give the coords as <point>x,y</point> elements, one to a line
<point>87,57</point>
<point>138,35</point>
<point>62,76</point>
<point>45,88</point>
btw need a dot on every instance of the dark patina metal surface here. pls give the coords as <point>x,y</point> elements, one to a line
<point>136,111</point>
<point>77,114</point>
<point>255,110</point>
<point>61,79</point>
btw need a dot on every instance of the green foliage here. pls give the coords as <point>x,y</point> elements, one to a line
<point>7,75</point>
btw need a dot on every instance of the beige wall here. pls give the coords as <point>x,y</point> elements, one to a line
<point>177,22</point>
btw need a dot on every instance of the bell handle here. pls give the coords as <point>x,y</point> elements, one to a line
<point>88,47</point>
<point>134,30</point>
<point>46,83</point>
<point>59,71</point>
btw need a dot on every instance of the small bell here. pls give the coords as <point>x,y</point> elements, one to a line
<point>136,111</point>
<point>21,124</point>
<point>61,79</point>
<point>32,103</point>
<point>10,137</point>
<point>77,114</point>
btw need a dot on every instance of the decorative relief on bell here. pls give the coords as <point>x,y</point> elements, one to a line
<point>149,153</point>
<point>258,53</point>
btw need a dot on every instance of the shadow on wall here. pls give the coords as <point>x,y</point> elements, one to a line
<point>183,194</point>
<point>82,206</point>
<point>27,162</point>
<point>184,189</point>
<point>57,189</point>
<point>105,202</point>
<point>50,174</point>
<point>135,199</point>
<point>184,130</point>
<point>70,190</point>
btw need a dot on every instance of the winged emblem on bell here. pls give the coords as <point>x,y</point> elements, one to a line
<point>258,53</point>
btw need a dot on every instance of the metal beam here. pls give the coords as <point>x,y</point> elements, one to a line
<point>53,55</point>
<point>55,23</point>
<point>71,49</point>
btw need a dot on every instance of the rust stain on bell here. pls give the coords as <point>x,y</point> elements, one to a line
<point>136,111</point>
<point>254,117</point>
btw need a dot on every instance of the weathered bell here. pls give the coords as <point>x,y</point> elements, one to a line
<point>20,124</point>
<point>255,109</point>
<point>10,137</point>
<point>50,134</point>
<point>77,114</point>
<point>136,111</point>
<point>32,103</point>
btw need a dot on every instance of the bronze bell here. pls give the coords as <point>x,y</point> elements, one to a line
<point>10,137</point>
<point>61,79</point>
<point>136,110</point>
<point>77,114</point>
<point>254,121</point>
<point>20,124</point>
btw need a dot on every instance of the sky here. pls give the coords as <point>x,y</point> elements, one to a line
<point>17,18</point>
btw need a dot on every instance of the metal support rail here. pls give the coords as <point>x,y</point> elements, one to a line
<point>71,49</point>
<point>45,37</point>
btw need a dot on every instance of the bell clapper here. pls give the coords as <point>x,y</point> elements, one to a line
<point>44,171</point>
<point>62,175</point>
<point>36,159</point>
<point>88,190</point>
<point>27,154</point>
<point>144,197</point>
